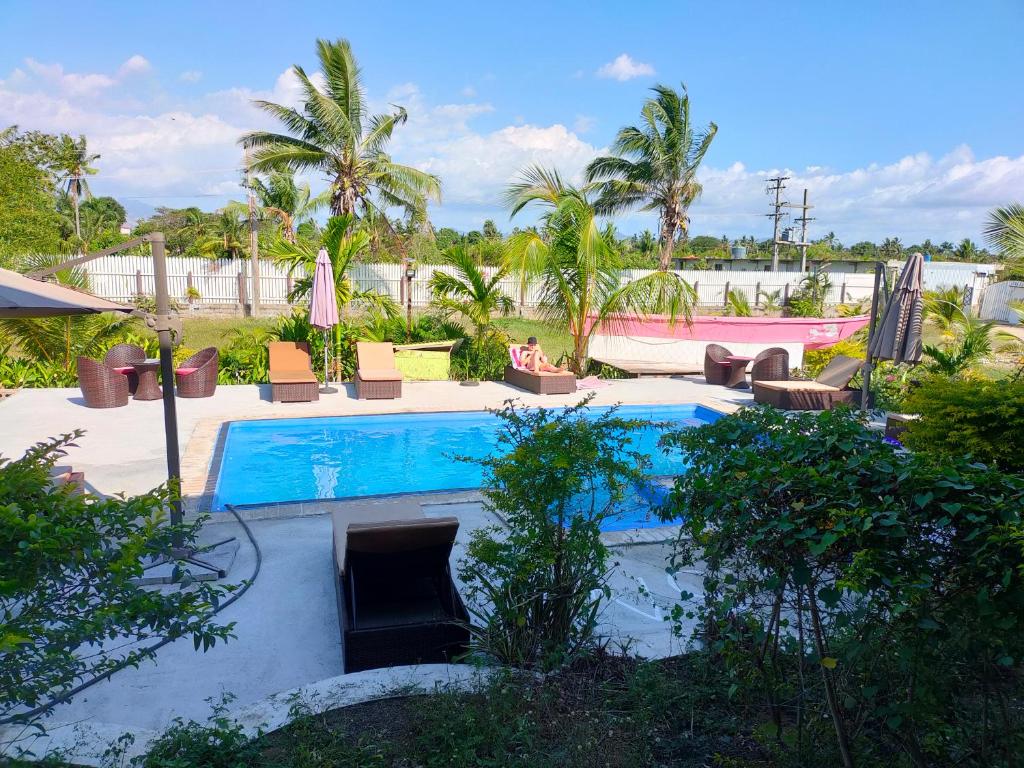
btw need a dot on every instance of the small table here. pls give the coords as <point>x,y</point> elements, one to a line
<point>148,388</point>
<point>737,371</point>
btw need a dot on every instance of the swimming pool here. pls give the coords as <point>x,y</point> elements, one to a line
<point>339,457</point>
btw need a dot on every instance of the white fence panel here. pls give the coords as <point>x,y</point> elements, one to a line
<point>996,304</point>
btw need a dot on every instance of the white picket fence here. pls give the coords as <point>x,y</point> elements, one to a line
<point>996,304</point>
<point>227,281</point>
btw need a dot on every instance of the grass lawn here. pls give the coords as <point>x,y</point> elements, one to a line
<point>554,341</point>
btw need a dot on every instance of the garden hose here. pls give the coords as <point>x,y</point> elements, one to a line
<point>64,697</point>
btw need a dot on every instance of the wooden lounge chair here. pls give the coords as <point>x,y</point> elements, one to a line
<point>197,376</point>
<point>397,603</point>
<point>821,394</point>
<point>716,367</point>
<point>538,382</point>
<point>377,378</point>
<point>102,386</point>
<point>291,375</point>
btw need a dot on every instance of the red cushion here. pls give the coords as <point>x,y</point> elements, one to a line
<point>125,369</point>
<point>185,371</point>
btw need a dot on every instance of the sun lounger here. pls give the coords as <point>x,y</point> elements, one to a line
<point>821,394</point>
<point>291,375</point>
<point>377,378</point>
<point>538,382</point>
<point>397,603</point>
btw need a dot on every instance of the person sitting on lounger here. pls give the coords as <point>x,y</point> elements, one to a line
<point>534,359</point>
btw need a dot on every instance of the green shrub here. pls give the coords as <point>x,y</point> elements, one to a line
<point>483,359</point>
<point>219,743</point>
<point>976,418</point>
<point>873,598</point>
<point>68,565</point>
<point>815,360</point>
<point>538,583</point>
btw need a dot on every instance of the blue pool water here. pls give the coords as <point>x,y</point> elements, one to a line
<point>280,460</point>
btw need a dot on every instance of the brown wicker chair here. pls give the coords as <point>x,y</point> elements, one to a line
<point>121,357</point>
<point>377,378</point>
<point>716,369</point>
<point>771,364</point>
<point>102,387</point>
<point>197,376</point>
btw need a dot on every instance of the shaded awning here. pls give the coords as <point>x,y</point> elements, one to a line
<point>23,297</point>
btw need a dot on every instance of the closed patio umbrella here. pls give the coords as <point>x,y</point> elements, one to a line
<point>323,305</point>
<point>23,297</point>
<point>898,335</point>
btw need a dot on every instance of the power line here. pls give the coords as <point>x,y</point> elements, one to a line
<point>777,215</point>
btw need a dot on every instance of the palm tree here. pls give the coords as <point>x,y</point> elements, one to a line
<point>282,198</point>
<point>579,268</point>
<point>655,165</point>
<point>72,165</point>
<point>966,251</point>
<point>1004,230</point>
<point>344,244</point>
<point>225,236</point>
<point>944,308</point>
<point>331,135</point>
<point>972,343</point>
<point>469,293</point>
<point>891,248</point>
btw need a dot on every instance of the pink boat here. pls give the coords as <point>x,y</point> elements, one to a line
<point>679,346</point>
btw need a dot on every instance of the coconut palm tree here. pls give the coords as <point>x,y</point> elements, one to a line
<point>332,134</point>
<point>1004,230</point>
<point>971,343</point>
<point>226,235</point>
<point>291,203</point>
<point>654,165</point>
<point>469,293</point>
<point>579,269</point>
<point>72,165</point>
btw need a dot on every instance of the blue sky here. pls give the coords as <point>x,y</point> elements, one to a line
<point>901,118</point>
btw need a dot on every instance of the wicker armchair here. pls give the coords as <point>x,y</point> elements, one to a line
<point>771,364</point>
<point>197,376</point>
<point>102,387</point>
<point>716,370</point>
<point>121,357</point>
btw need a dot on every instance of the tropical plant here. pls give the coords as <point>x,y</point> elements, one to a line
<point>224,237</point>
<point>468,293</point>
<point>982,420</point>
<point>578,269</point>
<point>771,301</point>
<point>871,598</point>
<point>654,165</point>
<point>1004,230</point>
<point>536,585</point>
<point>891,248</point>
<point>739,304</point>
<point>332,135</point>
<point>809,300</point>
<point>970,343</point>
<point>944,307</point>
<point>71,607</point>
<point>72,164</point>
<point>280,197</point>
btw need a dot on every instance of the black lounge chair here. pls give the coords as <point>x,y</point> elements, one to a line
<point>397,603</point>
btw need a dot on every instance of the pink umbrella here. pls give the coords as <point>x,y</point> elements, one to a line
<point>323,304</point>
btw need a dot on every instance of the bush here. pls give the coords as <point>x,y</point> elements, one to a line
<point>960,418</point>
<point>873,598</point>
<point>537,584</point>
<point>68,562</point>
<point>815,360</point>
<point>483,359</point>
<point>219,743</point>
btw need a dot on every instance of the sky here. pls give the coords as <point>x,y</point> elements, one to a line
<point>901,119</point>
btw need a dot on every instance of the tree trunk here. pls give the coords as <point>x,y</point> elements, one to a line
<point>78,219</point>
<point>668,236</point>
<point>830,692</point>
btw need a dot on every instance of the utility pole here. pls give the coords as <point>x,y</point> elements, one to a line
<point>777,216</point>
<point>254,239</point>
<point>803,219</point>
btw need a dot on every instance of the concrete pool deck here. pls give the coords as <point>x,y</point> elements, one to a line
<point>286,626</point>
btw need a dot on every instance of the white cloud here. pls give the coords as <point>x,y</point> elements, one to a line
<point>584,124</point>
<point>468,92</point>
<point>623,68</point>
<point>191,76</point>
<point>155,148</point>
<point>135,65</point>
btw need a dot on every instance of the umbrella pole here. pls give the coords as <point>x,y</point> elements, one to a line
<point>326,389</point>
<point>866,376</point>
